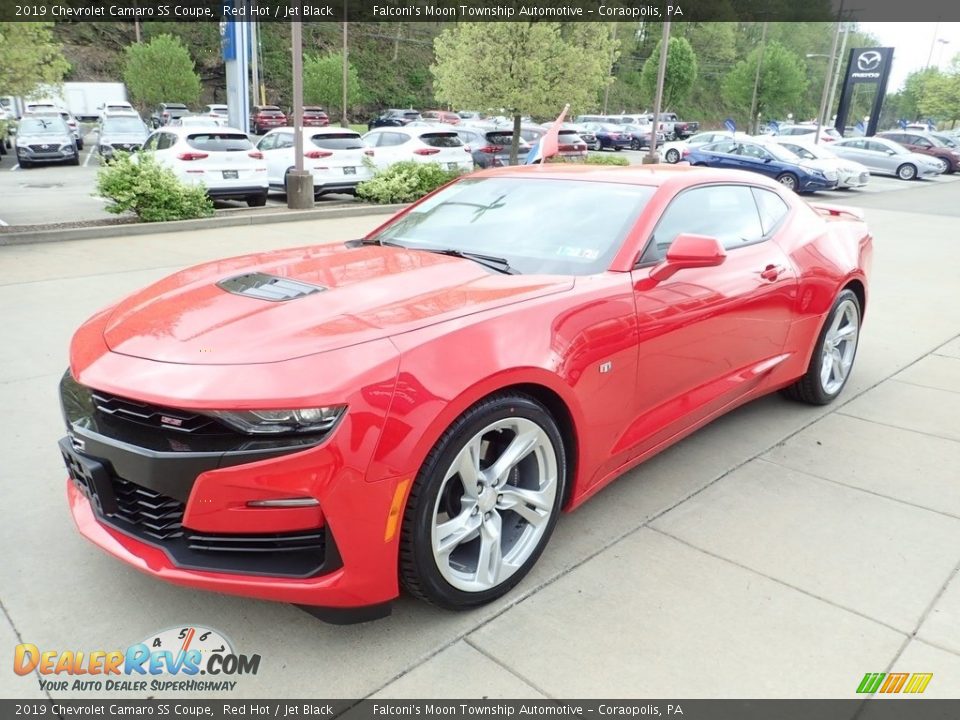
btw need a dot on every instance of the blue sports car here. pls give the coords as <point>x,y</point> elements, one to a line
<point>764,158</point>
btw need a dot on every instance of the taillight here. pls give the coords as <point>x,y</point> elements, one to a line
<point>491,149</point>
<point>685,153</point>
<point>567,148</point>
<point>466,148</point>
<point>256,154</point>
<point>166,114</point>
<point>192,156</point>
<point>425,151</point>
<point>368,152</point>
<point>828,139</point>
<point>317,154</point>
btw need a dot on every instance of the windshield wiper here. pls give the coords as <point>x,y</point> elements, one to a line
<point>490,261</point>
<point>494,263</point>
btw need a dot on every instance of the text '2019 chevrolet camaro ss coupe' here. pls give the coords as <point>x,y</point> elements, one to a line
<point>321,424</point>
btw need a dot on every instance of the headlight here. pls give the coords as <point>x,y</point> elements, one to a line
<point>304,420</point>
<point>66,147</point>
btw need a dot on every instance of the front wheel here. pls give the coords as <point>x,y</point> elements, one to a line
<point>906,172</point>
<point>484,504</point>
<point>634,144</point>
<point>257,200</point>
<point>788,180</point>
<point>833,355</point>
<point>673,156</point>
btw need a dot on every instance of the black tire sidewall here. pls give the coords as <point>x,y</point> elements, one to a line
<point>418,520</point>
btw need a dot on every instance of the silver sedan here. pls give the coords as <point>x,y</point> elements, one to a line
<point>887,157</point>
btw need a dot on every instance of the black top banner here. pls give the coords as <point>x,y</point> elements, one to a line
<point>477,10</point>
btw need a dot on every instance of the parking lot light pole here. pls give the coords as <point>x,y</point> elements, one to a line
<point>652,157</point>
<point>299,181</point>
<point>826,83</point>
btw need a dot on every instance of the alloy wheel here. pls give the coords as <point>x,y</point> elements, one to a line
<point>495,504</point>
<point>839,347</point>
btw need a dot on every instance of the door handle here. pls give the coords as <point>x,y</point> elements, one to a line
<point>771,272</point>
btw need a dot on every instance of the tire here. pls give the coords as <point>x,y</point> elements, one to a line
<point>944,166</point>
<point>79,144</point>
<point>75,160</point>
<point>617,148</point>
<point>634,144</point>
<point>789,180</point>
<point>672,156</point>
<point>286,182</point>
<point>440,572</point>
<point>907,172</point>
<point>257,200</point>
<point>839,342</point>
<point>25,164</point>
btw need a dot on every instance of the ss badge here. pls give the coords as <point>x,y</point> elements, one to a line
<point>606,367</point>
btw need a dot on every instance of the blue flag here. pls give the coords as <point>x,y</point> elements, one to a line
<point>730,125</point>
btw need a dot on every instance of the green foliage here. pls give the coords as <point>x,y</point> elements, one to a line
<point>29,58</point>
<point>405,182</point>
<point>522,68</point>
<point>598,159</point>
<point>681,72</point>
<point>152,192</point>
<point>161,71</point>
<point>323,81</point>
<point>781,85</point>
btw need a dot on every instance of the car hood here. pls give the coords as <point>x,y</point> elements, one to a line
<point>44,139</point>
<point>123,137</point>
<point>928,160</point>
<point>367,292</point>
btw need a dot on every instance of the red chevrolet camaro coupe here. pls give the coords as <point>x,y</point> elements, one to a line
<point>318,425</point>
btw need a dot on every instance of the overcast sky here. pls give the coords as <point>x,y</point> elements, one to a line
<point>912,42</point>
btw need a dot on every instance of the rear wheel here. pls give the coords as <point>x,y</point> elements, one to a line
<point>80,144</point>
<point>634,144</point>
<point>484,504</point>
<point>788,180</point>
<point>257,200</point>
<point>833,355</point>
<point>617,148</point>
<point>673,155</point>
<point>906,172</point>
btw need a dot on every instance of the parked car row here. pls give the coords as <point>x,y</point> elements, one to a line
<point>796,160</point>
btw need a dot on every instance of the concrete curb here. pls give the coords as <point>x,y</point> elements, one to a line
<point>29,237</point>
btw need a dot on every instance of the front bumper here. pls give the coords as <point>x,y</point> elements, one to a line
<point>53,155</point>
<point>812,184</point>
<point>176,506</point>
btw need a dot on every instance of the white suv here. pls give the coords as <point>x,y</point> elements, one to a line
<point>334,156</point>
<point>222,159</point>
<point>421,144</point>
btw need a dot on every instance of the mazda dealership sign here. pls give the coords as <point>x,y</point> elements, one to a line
<point>866,65</point>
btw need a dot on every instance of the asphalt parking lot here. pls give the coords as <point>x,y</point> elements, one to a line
<point>782,551</point>
<point>65,194</point>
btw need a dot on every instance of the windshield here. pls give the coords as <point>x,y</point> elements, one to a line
<point>42,126</point>
<point>124,125</point>
<point>780,153</point>
<point>338,141</point>
<point>577,232</point>
<point>219,142</point>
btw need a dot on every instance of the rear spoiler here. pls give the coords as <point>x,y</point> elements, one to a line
<point>838,211</point>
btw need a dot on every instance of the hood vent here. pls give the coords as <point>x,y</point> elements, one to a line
<point>268,287</point>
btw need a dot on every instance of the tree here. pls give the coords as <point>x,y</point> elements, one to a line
<point>781,85</point>
<point>323,81</point>
<point>522,68</point>
<point>681,72</point>
<point>29,58</point>
<point>161,71</point>
<point>940,94</point>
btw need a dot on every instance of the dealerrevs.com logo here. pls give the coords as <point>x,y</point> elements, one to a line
<point>179,659</point>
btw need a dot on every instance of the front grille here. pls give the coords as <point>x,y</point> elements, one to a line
<point>281,542</point>
<point>44,148</point>
<point>155,416</point>
<point>155,515</point>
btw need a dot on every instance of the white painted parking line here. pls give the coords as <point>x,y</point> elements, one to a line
<point>89,155</point>
<point>3,224</point>
<point>15,167</point>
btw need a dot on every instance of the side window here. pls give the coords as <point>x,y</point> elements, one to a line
<point>726,212</point>
<point>728,146</point>
<point>268,143</point>
<point>165,140</point>
<point>856,144</point>
<point>151,142</point>
<point>772,209</point>
<point>876,147</point>
<point>391,139</point>
<point>284,140</point>
<point>753,151</point>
